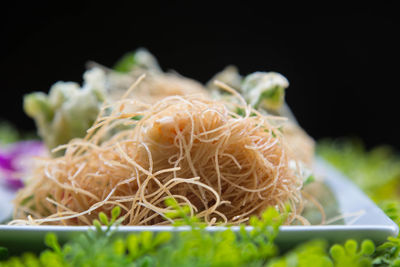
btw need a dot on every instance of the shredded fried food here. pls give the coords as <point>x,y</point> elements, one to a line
<point>302,145</point>
<point>155,87</point>
<point>225,167</point>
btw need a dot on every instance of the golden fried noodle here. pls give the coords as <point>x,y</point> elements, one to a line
<point>224,166</point>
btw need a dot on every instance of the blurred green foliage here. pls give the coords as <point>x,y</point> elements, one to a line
<point>375,171</point>
<point>10,134</point>
<point>196,247</point>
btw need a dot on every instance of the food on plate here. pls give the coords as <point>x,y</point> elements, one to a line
<point>227,150</point>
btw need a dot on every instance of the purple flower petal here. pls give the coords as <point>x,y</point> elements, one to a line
<point>14,184</point>
<point>6,162</point>
<point>26,147</point>
<point>16,160</point>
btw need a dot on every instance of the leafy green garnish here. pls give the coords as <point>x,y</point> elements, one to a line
<point>309,180</point>
<point>273,98</point>
<point>391,209</point>
<point>181,214</point>
<point>312,253</point>
<point>126,62</point>
<point>265,90</point>
<point>199,247</point>
<point>141,58</point>
<point>240,111</point>
<point>195,247</point>
<point>137,117</point>
<point>68,110</point>
<point>350,255</point>
<point>388,254</point>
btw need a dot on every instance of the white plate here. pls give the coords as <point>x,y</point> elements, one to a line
<point>368,221</point>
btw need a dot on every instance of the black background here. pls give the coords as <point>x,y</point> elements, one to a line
<point>342,62</point>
